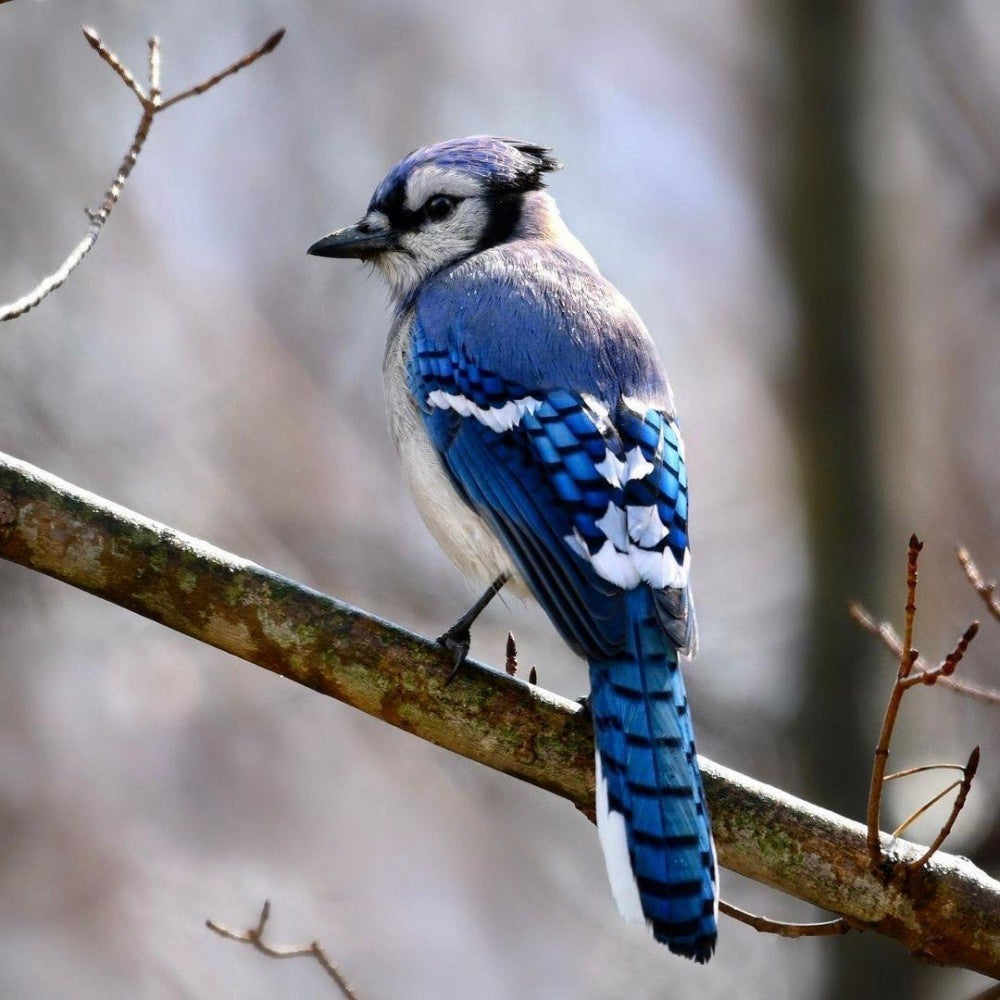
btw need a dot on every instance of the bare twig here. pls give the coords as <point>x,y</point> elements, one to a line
<point>94,39</point>
<point>891,640</point>
<point>909,653</point>
<point>948,664</point>
<point>251,57</point>
<point>151,105</point>
<point>906,679</point>
<point>255,937</point>
<point>987,591</point>
<point>154,71</point>
<point>823,928</point>
<point>922,769</point>
<point>917,813</point>
<point>969,772</point>
<point>989,695</point>
<point>907,657</point>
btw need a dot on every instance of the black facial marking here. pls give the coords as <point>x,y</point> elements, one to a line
<point>394,206</point>
<point>402,219</point>
<point>505,213</point>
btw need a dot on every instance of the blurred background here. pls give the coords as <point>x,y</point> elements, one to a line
<point>801,200</point>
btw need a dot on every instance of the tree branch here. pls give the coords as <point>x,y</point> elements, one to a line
<point>947,911</point>
<point>151,105</point>
<point>254,936</point>
<point>906,679</point>
<point>824,928</point>
<point>891,640</point>
<point>987,591</point>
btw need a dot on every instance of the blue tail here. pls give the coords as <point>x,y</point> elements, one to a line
<point>651,810</point>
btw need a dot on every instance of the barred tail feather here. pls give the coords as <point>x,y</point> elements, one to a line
<point>651,812</point>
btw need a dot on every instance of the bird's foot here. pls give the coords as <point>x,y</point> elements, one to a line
<point>584,703</point>
<point>457,641</point>
<point>458,638</point>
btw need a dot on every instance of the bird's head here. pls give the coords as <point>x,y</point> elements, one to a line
<point>441,204</point>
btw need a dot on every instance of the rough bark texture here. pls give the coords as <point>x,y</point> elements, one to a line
<point>948,913</point>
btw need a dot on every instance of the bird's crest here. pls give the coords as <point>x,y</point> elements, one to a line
<point>501,164</point>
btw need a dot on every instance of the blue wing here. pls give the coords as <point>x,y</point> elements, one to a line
<point>543,396</point>
<point>588,494</point>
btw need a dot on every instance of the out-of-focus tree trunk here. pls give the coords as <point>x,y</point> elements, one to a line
<point>820,211</point>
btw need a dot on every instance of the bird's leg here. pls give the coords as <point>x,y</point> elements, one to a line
<point>458,638</point>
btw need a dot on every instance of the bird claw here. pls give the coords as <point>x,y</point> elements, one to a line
<point>457,641</point>
<point>458,638</point>
<point>584,703</point>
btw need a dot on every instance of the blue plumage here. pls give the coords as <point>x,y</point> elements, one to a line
<point>537,431</point>
<point>565,325</point>
<point>647,757</point>
<point>537,483</point>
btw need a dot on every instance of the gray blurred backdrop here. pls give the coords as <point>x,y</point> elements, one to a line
<point>801,201</point>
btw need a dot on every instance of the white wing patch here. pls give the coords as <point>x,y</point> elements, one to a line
<point>497,418</point>
<point>612,468</point>
<point>636,466</point>
<point>618,567</point>
<point>612,523</point>
<point>629,555</point>
<point>634,565</point>
<point>661,569</point>
<point>645,527</point>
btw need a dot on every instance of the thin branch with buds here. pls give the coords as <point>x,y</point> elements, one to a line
<point>254,937</point>
<point>906,679</point>
<point>987,591</point>
<point>908,676</point>
<point>948,664</point>
<point>968,773</point>
<point>907,657</point>
<point>151,104</point>
<point>891,640</point>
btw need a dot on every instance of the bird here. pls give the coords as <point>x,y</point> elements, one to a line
<point>536,430</point>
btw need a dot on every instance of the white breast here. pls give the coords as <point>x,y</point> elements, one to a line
<point>457,528</point>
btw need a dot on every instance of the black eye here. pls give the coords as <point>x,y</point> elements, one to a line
<point>439,207</point>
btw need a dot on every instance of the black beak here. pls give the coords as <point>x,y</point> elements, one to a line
<point>362,240</point>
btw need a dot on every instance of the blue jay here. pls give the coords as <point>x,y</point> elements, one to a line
<point>536,430</point>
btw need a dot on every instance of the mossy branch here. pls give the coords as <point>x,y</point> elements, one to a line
<point>948,911</point>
